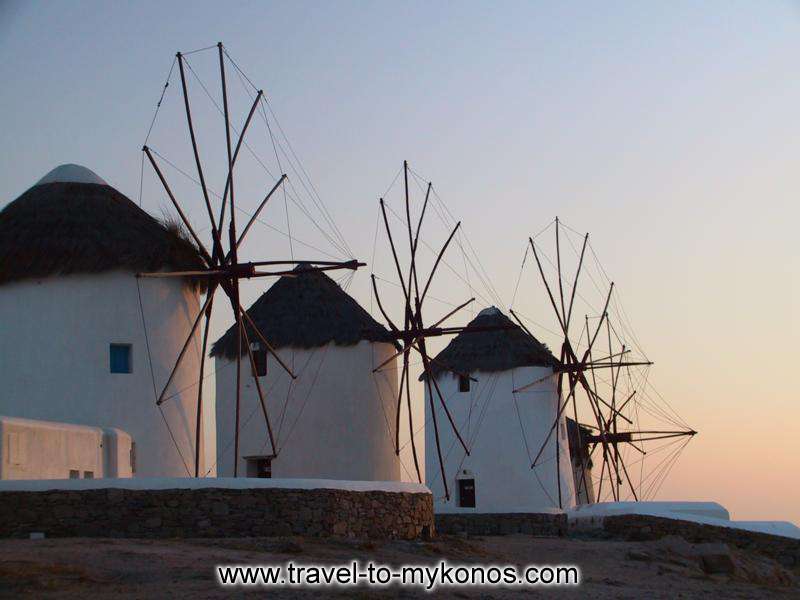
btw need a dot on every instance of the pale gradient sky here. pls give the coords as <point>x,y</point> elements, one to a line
<point>668,130</point>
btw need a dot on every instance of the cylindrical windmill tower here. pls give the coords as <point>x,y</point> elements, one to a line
<point>83,340</point>
<point>478,373</point>
<point>336,419</point>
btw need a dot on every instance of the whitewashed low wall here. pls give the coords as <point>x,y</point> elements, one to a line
<point>32,449</point>
<point>593,516</point>
<point>227,483</point>
<point>657,508</point>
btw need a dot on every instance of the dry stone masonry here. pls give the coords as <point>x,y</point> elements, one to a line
<point>216,512</point>
<point>644,527</point>
<point>537,524</point>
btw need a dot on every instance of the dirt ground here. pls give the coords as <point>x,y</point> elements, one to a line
<point>118,568</point>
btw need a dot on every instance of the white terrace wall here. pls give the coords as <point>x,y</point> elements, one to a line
<point>504,432</point>
<point>54,361</point>
<point>338,423</point>
<point>32,449</point>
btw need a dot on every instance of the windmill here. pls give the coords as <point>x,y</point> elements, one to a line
<point>581,387</point>
<point>223,267</point>
<point>413,331</point>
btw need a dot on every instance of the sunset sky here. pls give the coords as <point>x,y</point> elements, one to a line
<point>670,131</point>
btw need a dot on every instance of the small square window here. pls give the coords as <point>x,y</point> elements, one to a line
<point>74,474</point>
<point>463,383</point>
<point>88,474</point>
<point>120,358</point>
<point>259,366</point>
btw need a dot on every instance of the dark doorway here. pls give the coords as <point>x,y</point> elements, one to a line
<point>259,466</point>
<point>259,366</point>
<point>466,493</point>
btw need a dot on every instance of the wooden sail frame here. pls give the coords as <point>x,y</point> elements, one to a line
<point>607,412</point>
<point>413,333</point>
<point>222,268</point>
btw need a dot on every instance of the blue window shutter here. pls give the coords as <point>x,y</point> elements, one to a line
<point>120,358</point>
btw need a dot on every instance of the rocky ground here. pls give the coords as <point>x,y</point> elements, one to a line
<point>116,568</point>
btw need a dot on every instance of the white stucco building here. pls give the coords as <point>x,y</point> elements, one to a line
<point>32,449</point>
<point>337,419</point>
<point>76,323</point>
<point>503,429</point>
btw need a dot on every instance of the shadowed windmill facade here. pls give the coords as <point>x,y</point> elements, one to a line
<point>501,427</point>
<point>335,420</point>
<point>580,456</point>
<point>73,343</point>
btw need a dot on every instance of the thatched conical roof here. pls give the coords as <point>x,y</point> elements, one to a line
<point>308,310</point>
<point>71,221</point>
<point>499,350</point>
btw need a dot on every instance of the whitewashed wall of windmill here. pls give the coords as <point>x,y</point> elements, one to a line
<point>501,450</point>
<point>54,362</point>
<point>338,423</point>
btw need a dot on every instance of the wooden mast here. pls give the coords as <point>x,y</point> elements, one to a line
<point>223,270</point>
<point>413,334</point>
<point>608,435</point>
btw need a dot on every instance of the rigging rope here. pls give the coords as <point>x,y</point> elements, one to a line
<point>635,378</point>
<point>480,270</point>
<point>519,277</point>
<point>435,253</point>
<point>238,208</point>
<point>321,206</point>
<point>160,100</point>
<point>296,200</point>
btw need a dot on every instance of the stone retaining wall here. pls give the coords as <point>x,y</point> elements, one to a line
<point>644,527</point>
<point>542,524</point>
<point>216,512</point>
